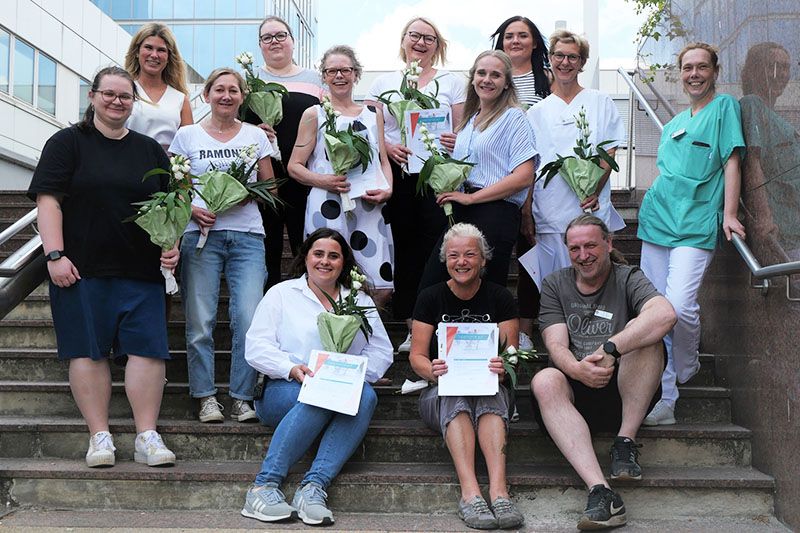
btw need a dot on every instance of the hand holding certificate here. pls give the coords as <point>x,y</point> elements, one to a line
<point>467,349</point>
<point>336,383</point>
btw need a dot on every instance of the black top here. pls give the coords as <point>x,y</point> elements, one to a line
<point>99,178</point>
<point>437,303</point>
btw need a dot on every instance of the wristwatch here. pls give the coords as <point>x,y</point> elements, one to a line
<point>611,349</point>
<point>55,255</point>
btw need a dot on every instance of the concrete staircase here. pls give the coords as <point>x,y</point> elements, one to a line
<point>697,474</point>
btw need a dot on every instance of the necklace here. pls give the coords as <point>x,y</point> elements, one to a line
<point>220,130</point>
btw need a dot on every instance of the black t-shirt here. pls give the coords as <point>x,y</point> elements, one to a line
<point>437,303</point>
<point>99,179</point>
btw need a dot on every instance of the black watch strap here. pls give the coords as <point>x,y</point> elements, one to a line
<point>55,255</point>
<point>610,348</point>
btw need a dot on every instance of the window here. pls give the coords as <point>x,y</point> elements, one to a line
<point>83,96</point>
<point>141,9</point>
<point>121,9</point>
<point>46,84</point>
<point>23,71</point>
<point>5,41</point>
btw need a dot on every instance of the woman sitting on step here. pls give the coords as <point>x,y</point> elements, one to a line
<point>279,343</point>
<point>467,298</point>
<point>106,288</point>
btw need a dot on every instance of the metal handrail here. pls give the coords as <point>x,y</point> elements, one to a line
<point>660,97</point>
<point>787,269</point>
<point>24,269</point>
<point>26,220</point>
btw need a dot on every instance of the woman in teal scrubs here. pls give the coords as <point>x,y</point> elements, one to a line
<point>696,193</point>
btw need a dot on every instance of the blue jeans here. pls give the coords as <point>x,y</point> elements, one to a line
<point>297,425</point>
<point>241,256</point>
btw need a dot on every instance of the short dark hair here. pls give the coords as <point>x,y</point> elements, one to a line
<point>298,267</point>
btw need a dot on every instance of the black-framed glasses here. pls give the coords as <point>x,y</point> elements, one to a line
<point>109,96</point>
<point>278,37</point>
<point>572,58</point>
<point>416,36</point>
<point>332,72</point>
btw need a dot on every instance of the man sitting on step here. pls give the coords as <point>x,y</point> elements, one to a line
<point>603,324</point>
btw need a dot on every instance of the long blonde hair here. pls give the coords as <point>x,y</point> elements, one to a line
<point>174,74</point>
<point>507,99</point>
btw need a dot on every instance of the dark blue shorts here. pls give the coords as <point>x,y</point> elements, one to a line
<point>100,317</point>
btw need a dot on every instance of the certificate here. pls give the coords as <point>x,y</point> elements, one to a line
<point>437,121</point>
<point>467,349</point>
<point>337,382</point>
<point>361,182</point>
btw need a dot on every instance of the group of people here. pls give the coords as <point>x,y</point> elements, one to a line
<point>602,321</point>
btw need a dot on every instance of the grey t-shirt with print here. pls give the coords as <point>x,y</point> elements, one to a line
<point>592,318</point>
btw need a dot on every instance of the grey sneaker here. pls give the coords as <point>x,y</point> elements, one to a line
<point>211,410</point>
<point>506,513</point>
<point>267,504</point>
<point>661,415</point>
<point>476,514</point>
<point>242,411</point>
<point>101,450</point>
<point>309,500</point>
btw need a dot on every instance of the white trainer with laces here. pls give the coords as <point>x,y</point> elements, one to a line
<point>150,449</point>
<point>211,410</point>
<point>525,342</point>
<point>661,415</point>
<point>101,450</point>
<point>405,346</point>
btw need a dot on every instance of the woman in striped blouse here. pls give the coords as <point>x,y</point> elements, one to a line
<point>523,42</point>
<point>494,135</point>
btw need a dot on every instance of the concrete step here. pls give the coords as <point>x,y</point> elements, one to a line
<point>540,519</point>
<point>664,492</point>
<point>407,441</point>
<point>706,405</point>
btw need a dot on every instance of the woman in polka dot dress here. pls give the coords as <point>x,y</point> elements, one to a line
<point>365,227</point>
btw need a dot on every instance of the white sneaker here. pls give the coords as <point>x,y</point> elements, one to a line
<point>661,415</point>
<point>150,449</point>
<point>525,342</point>
<point>405,346</point>
<point>211,410</point>
<point>101,450</point>
<point>242,411</point>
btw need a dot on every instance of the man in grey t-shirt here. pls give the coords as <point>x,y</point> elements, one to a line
<point>603,325</point>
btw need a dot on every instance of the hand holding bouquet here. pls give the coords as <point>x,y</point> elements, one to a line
<point>410,97</point>
<point>265,99</point>
<point>512,357</point>
<point>338,327</point>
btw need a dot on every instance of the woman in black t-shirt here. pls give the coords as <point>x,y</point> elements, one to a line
<point>467,298</point>
<point>106,290</point>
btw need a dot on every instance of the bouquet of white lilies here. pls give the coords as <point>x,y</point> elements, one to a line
<point>411,97</point>
<point>338,327</point>
<point>265,99</point>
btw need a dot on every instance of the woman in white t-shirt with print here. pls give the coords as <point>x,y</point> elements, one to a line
<point>235,246</point>
<point>417,222</point>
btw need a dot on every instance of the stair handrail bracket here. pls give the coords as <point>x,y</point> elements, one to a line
<point>24,269</point>
<point>25,254</point>
<point>763,273</point>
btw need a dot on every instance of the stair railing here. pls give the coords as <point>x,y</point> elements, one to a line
<point>23,270</point>
<point>757,272</point>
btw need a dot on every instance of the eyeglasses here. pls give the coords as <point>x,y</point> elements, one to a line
<point>415,36</point>
<point>332,72</point>
<point>573,58</point>
<point>278,37</point>
<point>110,96</point>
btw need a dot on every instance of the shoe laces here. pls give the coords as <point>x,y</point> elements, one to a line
<point>314,494</point>
<point>153,440</point>
<point>240,406</point>
<point>597,497</point>
<point>479,506</point>
<point>103,440</point>
<point>211,404</point>
<point>502,505</point>
<point>272,494</point>
<point>626,449</point>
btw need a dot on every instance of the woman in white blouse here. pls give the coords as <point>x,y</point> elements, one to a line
<point>279,343</point>
<point>494,135</point>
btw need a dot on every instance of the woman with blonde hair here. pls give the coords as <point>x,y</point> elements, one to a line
<point>158,70</point>
<point>493,134</point>
<point>416,220</point>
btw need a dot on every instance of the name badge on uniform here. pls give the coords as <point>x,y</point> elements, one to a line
<point>566,121</point>
<point>678,134</point>
<point>603,314</point>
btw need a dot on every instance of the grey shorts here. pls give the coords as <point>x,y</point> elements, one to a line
<point>437,411</point>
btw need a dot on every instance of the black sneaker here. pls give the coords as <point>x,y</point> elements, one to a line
<point>624,454</point>
<point>604,509</point>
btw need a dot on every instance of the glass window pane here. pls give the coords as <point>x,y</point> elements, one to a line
<point>162,9</point>
<point>224,46</point>
<point>46,99</point>
<point>223,9</point>
<point>247,41</point>
<point>83,96</point>
<point>204,9</point>
<point>121,9</point>
<point>104,5</point>
<point>204,49</point>
<point>184,9</point>
<point>23,71</point>
<point>246,8</point>
<point>141,9</point>
<point>5,41</point>
<point>183,35</point>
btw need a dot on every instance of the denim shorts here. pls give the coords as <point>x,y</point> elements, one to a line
<point>438,411</point>
<point>98,317</point>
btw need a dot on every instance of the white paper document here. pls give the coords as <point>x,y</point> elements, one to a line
<point>467,349</point>
<point>370,180</point>
<point>337,382</point>
<point>437,121</point>
<point>538,259</point>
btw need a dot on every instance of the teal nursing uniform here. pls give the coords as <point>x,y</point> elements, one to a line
<point>684,206</point>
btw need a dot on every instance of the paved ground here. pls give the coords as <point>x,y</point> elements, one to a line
<point>170,521</point>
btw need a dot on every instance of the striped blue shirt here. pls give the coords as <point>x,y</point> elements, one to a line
<point>498,150</point>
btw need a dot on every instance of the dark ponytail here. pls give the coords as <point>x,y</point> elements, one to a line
<point>87,122</point>
<point>540,64</point>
